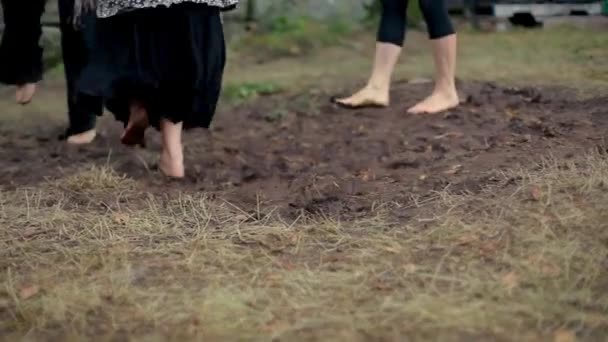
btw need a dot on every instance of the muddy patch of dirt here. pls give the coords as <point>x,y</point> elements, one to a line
<point>303,154</point>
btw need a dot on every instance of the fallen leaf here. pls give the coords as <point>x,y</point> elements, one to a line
<point>289,266</point>
<point>380,285</point>
<point>365,175</point>
<point>274,325</point>
<point>534,122</point>
<point>410,268</point>
<point>536,193</point>
<point>453,170</point>
<point>564,336</point>
<point>31,232</point>
<point>550,270</point>
<point>273,279</point>
<point>455,135</point>
<point>489,247</point>
<point>393,249</point>
<point>242,218</point>
<point>540,264</point>
<point>194,325</point>
<point>511,113</point>
<point>120,218</point>
<point>28,292</point>
<point>294,239</point>
<point>546,219</point>
<point>466,239</point>
<point>510,281</point>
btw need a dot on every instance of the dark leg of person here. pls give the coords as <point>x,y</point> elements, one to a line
<point>20,52</point>
<point>471,11</point>
<point>393,22</point>
<point>391,36</point>
<point>83,109</point>
<point>444,43</point>
<point>437,18</point>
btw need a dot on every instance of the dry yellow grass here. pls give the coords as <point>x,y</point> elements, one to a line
<point>91,257</point>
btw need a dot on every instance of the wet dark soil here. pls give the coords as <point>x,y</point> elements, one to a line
<point>302,154</point>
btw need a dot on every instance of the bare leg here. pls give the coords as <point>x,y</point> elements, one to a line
<point>376,92</point>
<point>136,128</point>
<point>172,156</point>
<point>25,93</point>
<point>444,95</point>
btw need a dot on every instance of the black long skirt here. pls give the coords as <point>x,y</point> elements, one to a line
<point>169,59</point>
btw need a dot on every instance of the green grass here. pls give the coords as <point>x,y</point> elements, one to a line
<point>239,93</point>
<point>563,56</point>
<point>291,36</point>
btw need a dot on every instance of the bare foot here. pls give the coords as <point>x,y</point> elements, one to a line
<point>135,133</point>
<point>369,96</point>
<point>172,165</point>
<point>438,102</point>
<point>25,93</point>
<point>82,138</point>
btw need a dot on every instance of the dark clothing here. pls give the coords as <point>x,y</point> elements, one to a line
<point>169,59</point>
<point>393,22</point>
<point>83,109</point>
<point>21,55</point>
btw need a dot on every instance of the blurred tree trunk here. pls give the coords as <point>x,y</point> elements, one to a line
<point>471,13</point>
<point>250,15</point>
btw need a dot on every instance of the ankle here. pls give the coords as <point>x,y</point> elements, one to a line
<point>174,152</point>
<point>171,167</point>
<point>378,83</point>
<point>447,87</point>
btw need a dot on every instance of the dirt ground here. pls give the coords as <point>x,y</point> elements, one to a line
<point>303,154</point>
<point>436,220</point>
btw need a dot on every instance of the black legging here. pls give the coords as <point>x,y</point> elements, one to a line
<point>394,20</point>
<point>83,109</point>
<point>21,55</point>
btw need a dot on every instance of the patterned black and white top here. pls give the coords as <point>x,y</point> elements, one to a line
<point>108,8</point>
